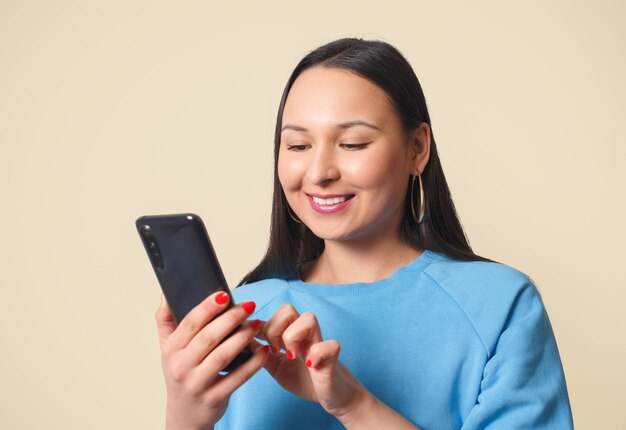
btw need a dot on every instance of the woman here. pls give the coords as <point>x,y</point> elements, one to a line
<point>374,310</point>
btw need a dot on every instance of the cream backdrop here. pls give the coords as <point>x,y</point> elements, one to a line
<point>114,109</point>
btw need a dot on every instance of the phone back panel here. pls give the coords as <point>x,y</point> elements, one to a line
<point>183,259</point>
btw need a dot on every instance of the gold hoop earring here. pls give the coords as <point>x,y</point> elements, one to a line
<point>420,218</point>
<point>293,217</point>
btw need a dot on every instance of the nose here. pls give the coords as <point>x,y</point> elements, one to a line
<point>323,167</point>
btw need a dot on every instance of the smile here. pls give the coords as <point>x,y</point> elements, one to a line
<point>331,204</point>
<point>330,201</point>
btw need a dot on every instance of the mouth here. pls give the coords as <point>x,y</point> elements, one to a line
<point>331,200</point>
<point>329,203</point>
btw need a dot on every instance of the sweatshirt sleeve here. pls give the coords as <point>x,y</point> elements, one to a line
<point>523,385</point>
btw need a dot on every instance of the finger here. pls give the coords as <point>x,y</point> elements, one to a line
<point>273,349</point>
<point>165,320</point>
<point>225,352</point>
<point>255,345</point>
<point>226,385</point>
<point>274,358</point>
<point>216,331</point>
<point>272,331</point>
<point>197,318</point>
<point>301,334</point>
<point>323,355</point>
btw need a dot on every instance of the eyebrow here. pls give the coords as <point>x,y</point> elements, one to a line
<point>341,125</point>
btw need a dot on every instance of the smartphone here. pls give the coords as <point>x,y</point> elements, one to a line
<point>185,264</point>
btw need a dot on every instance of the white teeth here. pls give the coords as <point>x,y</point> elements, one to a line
<point>330,201</point>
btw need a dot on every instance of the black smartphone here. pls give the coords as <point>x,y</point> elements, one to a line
<point>185,264</point>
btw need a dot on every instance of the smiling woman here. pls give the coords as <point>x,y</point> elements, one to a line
<point>347,158</point>
<point>374,310</point>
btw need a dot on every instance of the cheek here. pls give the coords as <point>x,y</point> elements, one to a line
<point>289,174</point>
<point>381,171</point>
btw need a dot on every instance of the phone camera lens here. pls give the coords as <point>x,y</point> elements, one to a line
<point>146,231</point>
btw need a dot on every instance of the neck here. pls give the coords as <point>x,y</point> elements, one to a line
<point>356,261</point>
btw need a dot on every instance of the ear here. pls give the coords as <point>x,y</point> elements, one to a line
<point>420,148</point>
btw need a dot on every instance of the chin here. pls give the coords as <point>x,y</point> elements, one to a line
<point>334,235</point>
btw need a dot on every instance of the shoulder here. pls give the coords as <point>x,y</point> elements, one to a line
<point>261,292</point>
<point>467,278</point>
<point>488,293</point>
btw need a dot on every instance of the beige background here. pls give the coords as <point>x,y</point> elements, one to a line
<point>114,109</point>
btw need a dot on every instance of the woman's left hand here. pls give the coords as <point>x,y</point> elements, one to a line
<point>310,367</point>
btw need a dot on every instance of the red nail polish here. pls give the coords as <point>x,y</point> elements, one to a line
<point>265,349</point>
<point>255,324</point>
<point>222,298</point>
<point>309,363</point>
<point>290,355</point>
<point>248,307</point>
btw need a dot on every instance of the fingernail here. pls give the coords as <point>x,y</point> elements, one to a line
<point>265,349</point>
<point>290,355</point>
<point>273,349</point>
<point>255,324</point>
<point>222,298</point>
<point>248,307</point>
<point>309,363</point>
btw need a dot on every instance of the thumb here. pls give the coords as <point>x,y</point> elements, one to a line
<point>335,387</point>
<point>323,356</point>
<point>165,320</point>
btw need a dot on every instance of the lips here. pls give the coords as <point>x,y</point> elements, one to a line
<point>329,201</point>
<point>327,204</point>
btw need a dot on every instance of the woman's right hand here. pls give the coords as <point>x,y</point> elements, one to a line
<point>192,357</point>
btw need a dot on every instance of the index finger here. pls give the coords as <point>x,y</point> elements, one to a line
<point>272,330</point>
<point>301,335</point>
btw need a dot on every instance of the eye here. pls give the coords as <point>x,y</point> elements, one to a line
<point>296,147</point>
<point>355,146</point>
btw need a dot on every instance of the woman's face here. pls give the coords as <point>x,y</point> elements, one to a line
<point>345,158</point>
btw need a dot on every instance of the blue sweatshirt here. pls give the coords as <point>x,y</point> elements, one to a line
<point>448,344</point>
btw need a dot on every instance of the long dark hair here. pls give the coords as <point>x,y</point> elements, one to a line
<point>291,243</point>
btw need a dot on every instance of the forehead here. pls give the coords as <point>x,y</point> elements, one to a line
<point>323,96</point>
